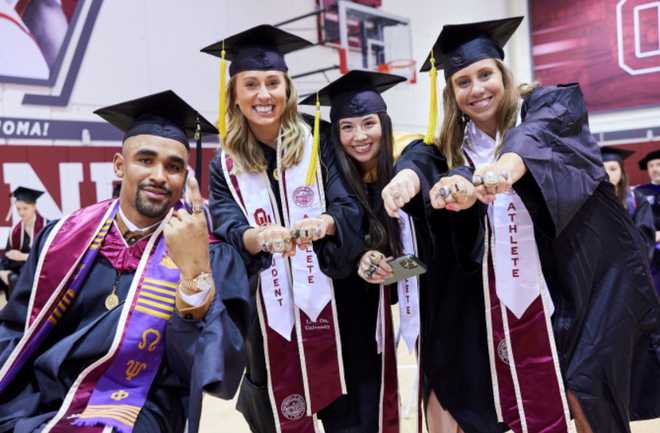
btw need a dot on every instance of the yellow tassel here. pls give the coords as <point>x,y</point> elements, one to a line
<point>429,138</point>
<point>311,171</point>
<point>222,126</point>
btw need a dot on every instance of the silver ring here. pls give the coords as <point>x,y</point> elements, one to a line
<point>444,192</point>
<point>477,180</point>
<point>491,178</point>
<point>197,209</point>
<point>278,245</point>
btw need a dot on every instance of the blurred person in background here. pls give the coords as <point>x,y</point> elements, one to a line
<point>21,237</point>
<point>651,191</point>
<point>633,201</point>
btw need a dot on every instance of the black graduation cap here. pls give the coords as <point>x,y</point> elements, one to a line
<point>162,114</point>
<point>460,45</point>
<point>355,94</point>
<point>609,153</point>
<point>261,48</point>
<point>654,154</point>
<point>27,195</point>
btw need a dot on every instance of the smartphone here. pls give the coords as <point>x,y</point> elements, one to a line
<point>405,267</point>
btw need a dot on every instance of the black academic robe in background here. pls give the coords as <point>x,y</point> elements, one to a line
<point>651,194</point>
<point>607,315</point>
<point>641,212</point>
<point>199,356</point>
<point>337,257</point>
<point>13,265</point>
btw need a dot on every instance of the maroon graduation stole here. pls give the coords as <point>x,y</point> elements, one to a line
<point>18,233</point>
<point>528,388</point>
<point>112,390</point>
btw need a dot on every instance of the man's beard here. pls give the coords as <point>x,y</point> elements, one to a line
<point>149,209</point>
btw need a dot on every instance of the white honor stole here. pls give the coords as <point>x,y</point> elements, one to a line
<point>518,275</point>
<point>289,281</point>
<point>312,289</point>
<point>408,293</point>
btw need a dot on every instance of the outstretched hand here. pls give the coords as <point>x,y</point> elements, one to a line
<point>186,235</point>
<point>453,193</point>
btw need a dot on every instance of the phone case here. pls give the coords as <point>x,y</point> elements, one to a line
<point>405,267</point>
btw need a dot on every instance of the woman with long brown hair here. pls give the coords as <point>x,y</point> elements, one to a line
<point>634,202</point>
<point>558,277</point>
<point>276,195</point>
<point>362,138</point>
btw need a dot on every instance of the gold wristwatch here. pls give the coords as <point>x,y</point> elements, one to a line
<point>202,282</point>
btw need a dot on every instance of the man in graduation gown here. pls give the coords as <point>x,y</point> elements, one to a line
<point>651,191</point>
<point>21,236</point>
<point>118,320</point>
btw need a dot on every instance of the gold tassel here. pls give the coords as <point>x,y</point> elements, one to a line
<point>311,171</point>
<point>222,127</point>
<point>429,138</point>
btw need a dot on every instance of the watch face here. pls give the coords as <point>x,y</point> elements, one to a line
<point>204,282</point>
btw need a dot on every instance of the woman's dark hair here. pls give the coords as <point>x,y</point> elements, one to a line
<point>621,189</point>
<point>384,232</point>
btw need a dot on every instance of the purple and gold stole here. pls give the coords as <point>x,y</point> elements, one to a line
<point>112,390</point>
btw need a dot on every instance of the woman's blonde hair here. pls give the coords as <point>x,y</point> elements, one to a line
<point>453,124</point>
<point>241,144</point>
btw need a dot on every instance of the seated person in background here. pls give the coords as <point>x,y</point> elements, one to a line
<point>117,322</point>
<point>21,237</point>
<point>635,203</point>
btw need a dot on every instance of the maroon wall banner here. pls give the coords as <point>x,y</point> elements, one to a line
<point>612,48</point>
<point>71,176</point>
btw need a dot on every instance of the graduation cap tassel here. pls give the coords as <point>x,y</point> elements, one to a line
<point>198,153</point>
<point>311,171</point>
<point>429,138</point>
<point>222,127</point>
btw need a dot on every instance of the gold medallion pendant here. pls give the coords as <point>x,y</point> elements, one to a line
<point>276,174</point>
<point>111,301</point>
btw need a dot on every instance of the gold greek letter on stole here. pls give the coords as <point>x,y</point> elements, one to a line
<point>145,338</point>
<point>134,368</point>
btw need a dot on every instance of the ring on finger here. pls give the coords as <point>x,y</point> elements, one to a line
<point>477,180</point>
<point>444,192</point>
<point>491,178</point>
<point>196,209</point>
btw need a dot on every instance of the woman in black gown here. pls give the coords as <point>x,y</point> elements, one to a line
<point>633,201</point>
<point>605,309</point>
<point>263,121</point>
<point>21,237</point>
<point>361,134</point>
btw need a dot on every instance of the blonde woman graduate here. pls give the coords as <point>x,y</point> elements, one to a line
<point>277,195</point>
<point>556,305</point>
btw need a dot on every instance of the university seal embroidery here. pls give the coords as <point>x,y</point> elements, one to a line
<point>293,407</point>
<point>303,196</point>
<point>502,351</point>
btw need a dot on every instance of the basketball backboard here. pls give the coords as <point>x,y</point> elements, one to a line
<point>366,37</point>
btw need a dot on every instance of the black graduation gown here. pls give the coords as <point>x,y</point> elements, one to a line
<point>651,194</point>
<point>13,265</point>
<point>357,309</point>
<point>199,356</point>
<point>454,354</point>
<point>606,312</point>
<point>337,256</point>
